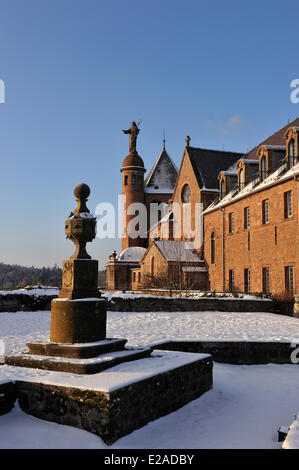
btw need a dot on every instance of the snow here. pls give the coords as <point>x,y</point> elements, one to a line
<point>35,290</point>
<point>292,439</point>
<point>174,250</point>
<point>244,409</point>
<point>273,179</point>
<point>142,329</point>
<point>109,380</point>
<point>133,253</point>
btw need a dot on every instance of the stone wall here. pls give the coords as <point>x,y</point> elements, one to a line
<point>236,352</point>
<point>7,397</point>
<point>24,302</point>
<point>114,415</point>
<point>172,304</point>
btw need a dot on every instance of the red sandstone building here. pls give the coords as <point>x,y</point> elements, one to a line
<point>250,219</point>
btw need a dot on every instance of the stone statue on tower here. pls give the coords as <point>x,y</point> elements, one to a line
<point>133,132</point>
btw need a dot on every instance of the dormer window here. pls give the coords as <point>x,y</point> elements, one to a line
<point>291,156</point>
<point>241,179</point>
<point>222,189</point>
<point>263,168</point>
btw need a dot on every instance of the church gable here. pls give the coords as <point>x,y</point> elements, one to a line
<point>186,177</point>
<point>162,177</point>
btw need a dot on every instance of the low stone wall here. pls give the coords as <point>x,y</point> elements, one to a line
<point>173,304</point>
<point>7,397</point>
<point>113,415</point>
<point>237,352</point>
<point>25,302</point>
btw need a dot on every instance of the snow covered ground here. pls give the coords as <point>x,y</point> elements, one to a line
<point>142,329</point>
<point>244,410</point>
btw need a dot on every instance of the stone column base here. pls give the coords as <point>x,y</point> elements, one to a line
<point>78,321</point>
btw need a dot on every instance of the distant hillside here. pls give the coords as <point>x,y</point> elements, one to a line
<point>13,276</point>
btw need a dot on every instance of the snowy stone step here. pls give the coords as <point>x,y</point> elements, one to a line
<point>78,350</point>
<point>77,366</point>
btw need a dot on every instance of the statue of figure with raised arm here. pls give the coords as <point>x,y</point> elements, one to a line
<point>133,131</point>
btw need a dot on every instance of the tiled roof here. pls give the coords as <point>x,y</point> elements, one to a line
<point>207,165</point>
<point>276,139</point>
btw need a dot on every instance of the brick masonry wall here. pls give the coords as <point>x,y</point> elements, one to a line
<point>114,415</point>
<point>263,252</point>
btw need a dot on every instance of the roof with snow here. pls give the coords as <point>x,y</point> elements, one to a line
<point>207,165</point>
<point>276,139</point>
<point>175,250</point>
<point>133,253</point>
<point>163,175</point>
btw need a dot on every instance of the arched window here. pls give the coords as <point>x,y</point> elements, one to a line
<point>186,194</point>
<point>213,248</point>
<point>291,158</point>
<point>263,168</point>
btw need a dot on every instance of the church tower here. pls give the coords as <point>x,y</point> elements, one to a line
<point>132,188</point>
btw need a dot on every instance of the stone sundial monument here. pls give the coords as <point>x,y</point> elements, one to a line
<point>78,316</point>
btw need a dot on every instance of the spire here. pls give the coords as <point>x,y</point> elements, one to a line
<point>164,140</point>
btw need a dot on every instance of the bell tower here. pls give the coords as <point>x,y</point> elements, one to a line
<point>132,188</point>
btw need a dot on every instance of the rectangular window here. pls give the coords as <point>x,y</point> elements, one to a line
<point>231,225</point>
<point>265,211</point>
<point>134,276</point>
<point>289,278</point>
<point>126,180</point>
<point>139,277</point>
<point>231,280</point>
<point>266,280</point>
<point>133,179</point>
<point>246,218</point>
<point>246,280</point>
<point>288,210</point>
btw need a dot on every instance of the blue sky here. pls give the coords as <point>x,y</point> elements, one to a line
<point>78,72</point>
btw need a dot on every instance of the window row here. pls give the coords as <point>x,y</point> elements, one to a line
<point>288,212</point>
<point>288,275</point>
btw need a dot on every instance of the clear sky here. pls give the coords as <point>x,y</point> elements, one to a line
<point>77,72</point>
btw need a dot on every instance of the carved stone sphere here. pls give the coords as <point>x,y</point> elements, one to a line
<point>82,191</point>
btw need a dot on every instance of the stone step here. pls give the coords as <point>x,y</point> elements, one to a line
<point>77,366</point>
<point>79,350</point>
